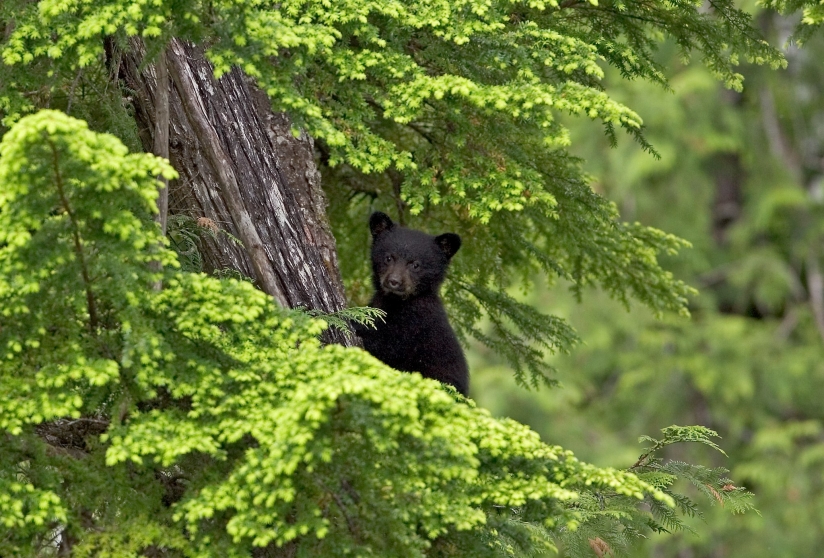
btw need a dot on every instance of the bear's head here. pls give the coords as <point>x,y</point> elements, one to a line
<point>406,262</point>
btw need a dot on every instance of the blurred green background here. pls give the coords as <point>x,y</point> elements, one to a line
<point>741,176</point>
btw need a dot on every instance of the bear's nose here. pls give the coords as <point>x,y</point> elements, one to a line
<point>393,283</point>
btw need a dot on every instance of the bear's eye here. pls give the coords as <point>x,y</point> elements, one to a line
<point>416,265</point>
<point>389,258</point>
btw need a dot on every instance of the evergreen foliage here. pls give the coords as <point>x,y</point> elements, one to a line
<point>343,319</point>
<point>740,178</point>
<point>812,15</point>
<point>216,421</point>
<point>447,110</point>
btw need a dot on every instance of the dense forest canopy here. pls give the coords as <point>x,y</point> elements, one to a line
<point>740,178</point>
<point>149,409</point>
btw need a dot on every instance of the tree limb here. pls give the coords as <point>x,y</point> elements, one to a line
<point>78,244</point>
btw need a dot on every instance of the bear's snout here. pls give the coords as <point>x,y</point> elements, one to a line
<point>397,282</point>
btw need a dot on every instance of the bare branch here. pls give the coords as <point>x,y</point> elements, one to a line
<point>71,91</point>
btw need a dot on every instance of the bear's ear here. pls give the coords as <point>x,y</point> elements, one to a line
<point>380,222</point>
<point>449,243</point>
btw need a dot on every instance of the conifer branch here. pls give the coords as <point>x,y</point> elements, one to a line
<point>78,244</point>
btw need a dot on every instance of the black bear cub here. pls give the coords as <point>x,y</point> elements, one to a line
<point>408,268</point>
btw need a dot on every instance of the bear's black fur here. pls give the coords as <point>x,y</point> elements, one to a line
<point>408,267</point>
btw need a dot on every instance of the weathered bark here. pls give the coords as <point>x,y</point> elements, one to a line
<point>243,170</point>
<point>160,142</point>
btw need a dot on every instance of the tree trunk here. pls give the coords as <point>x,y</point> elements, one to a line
<point>160,141</point>
<point>241,170</point>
